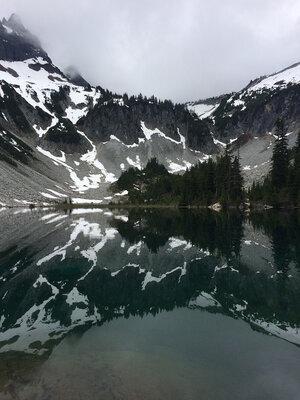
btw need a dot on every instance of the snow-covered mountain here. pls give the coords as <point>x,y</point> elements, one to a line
<point>246,119</point>
<point>61,137</point>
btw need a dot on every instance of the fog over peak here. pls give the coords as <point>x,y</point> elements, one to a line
<point>183,49</point>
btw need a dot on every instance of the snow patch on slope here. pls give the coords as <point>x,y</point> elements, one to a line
<point>37,85</point>
<point>281,79</point>
<point>202,110</point>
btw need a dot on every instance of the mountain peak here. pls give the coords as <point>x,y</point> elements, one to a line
<point>16,42</point>
<point>75,77</point>
<point>16,23</point>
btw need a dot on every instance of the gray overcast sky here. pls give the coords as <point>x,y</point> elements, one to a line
<point>178,49</point>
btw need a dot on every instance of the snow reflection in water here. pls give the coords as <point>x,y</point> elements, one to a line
<point>71,271</point>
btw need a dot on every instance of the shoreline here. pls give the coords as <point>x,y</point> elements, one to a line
<point>148,206</point>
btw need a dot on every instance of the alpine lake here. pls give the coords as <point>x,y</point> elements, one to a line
<point>151,304</point>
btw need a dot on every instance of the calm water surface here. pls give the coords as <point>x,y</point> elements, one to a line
<point>149,304</point>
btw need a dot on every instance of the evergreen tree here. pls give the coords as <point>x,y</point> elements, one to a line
<point>210,181</point>
<point>236,186</point>
<point>294,183</point>
<point>153,168</point>
<point>282,186</point>
<point>223,178</point>
<point>280,158</point>
<point>203,184</point>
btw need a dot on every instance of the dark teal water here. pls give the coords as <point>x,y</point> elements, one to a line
<point>149,304</point>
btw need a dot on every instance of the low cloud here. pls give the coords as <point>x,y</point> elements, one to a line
<point>178,49</point>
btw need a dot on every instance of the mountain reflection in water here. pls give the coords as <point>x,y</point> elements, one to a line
<point>62,273</point>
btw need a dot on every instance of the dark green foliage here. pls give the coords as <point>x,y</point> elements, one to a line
<point>294,174</point>
<point>280,160</point>
<point>217,233</point>
<point>127,179</point>
<point>203,184</point>
<point>281,188</point>
<point>236,180</point>
<point>153,168</point>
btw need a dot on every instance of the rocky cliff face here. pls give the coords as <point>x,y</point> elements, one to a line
<point>61,137</point>
<point>121,116</point>
<point>16,42</point>
<point>255,109</point>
